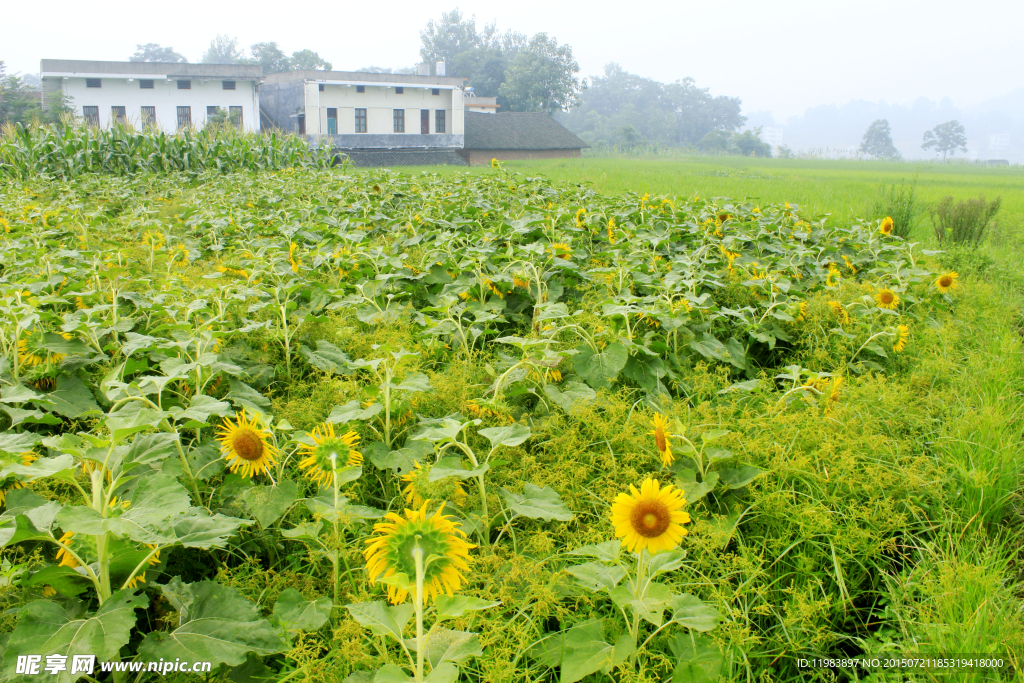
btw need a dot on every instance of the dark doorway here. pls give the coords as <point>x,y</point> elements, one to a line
<point>425,121</point>
<point>302,124</point>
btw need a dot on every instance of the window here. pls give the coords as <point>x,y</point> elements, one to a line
<point>91,115</point>
<point>360,120</point>
<point>184,85</point>
<point>321,87</point>
<point>93,83</point>
<point>227,85</point>
<point>148,116</point>
<point>439,121</point>
<point>360,88</point>
<point>117,115</point>
<point>146,83</point>
<point>424,121</point>
<point>332,121</point>
<point>235,116</point>
<point>184,116</point>
<point>399,120</point>
<point>302,124</point>
<point>435,91</point>
<point>399,90</point>
<point>211,111</point>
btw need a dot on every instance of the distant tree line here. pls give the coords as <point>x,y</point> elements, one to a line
<point>22,103</point>
<point>946,137</point>
<point>225,50</point>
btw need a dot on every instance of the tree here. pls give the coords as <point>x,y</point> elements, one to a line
<point>307,59</point>
<point>749,144</point>
<point>151,52</point>
<point>451,36</point>
<point>542,77</point>
<point>270,57</point>
<point>18,101</point>
<point>223,50</point>
<point>946,138</point>
<point>878,141</point>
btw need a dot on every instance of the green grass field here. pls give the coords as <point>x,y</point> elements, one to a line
<point>185,356</point>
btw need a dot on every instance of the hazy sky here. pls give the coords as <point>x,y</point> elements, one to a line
<point>781,56</point>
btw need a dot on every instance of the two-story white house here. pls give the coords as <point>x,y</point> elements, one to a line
<point>167,96</point>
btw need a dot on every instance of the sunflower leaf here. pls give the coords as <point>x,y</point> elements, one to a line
<point>596,576</point>
<point>353,411</point>
<point>449,607</point>
<point>537,502</point>
<point>693,613</point>
<point>269,503</point>
<point>378,618</point>
<point>511,435</point>
<point>667,561</point>
<point>606,552</point>
<point>301,615</point>
<point>653,605</point>
<point>699,659</point>
<point>389,673</point>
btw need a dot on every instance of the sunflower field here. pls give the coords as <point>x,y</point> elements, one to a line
<point>312,424</point>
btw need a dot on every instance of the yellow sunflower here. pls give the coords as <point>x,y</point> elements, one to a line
<point>66,558</point>
<point>839,311</point>
<point>947,281</point>
<point>886,226</point>
<point>886,298</point>
<point>561,250</point>
<point>391,552</point>
<point>418,484</point>
<point>32,352</point>
<point>650,518</point>
<point>295,263</point>
<point>661,440</point>
<point>245,446</point>
<point>318,463</point>
<point>902,335</point>
<point>611,231</point>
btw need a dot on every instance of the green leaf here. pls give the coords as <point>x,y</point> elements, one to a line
<point>444,673</point>
<point>55,343</point>
<point>49,628</point>
<point>131,419</point>
<point>244,396</point>
<point>738,477</point>
<point>11,442</point>
<point>20,393</point>
<point>389,673</point>
<point>353,411</point>
<point>64,580</point>
<point>202,407</point>
<point>510,435</point>
<point>327,358</point>
<point>445,645</point>
<point>607,551</point>
<point>40,469</point>
<point>269,503</point>
<point>455,606</point>
<point>149,449</point>
<point>441,470</point>
<point>72,398</point>
<point>216,624</point>
<point>693,490</point>
<point>713,435</point>
<point>582,651</point>
<point>299,614</point>
<point>381,619</point>
<point>666,561</point>
<point>570,395</point>
<point>417,381</point>
<point>699,659</point>
<point>537,502</point>
<point>691,612</point>
<point>653,605</point>
<point>600,368</point>
<point>597,576</point>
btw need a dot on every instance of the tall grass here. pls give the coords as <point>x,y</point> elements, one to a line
<point>73,149</point>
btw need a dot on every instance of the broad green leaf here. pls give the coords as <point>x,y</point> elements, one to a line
<point>445,645</point>
<point>40,469</point>
<point>49,628</point>
<point>25,417</point>
<point>600,368</point>
<point>537,502</point>
<point>55,343</point>
<point>440,471</point>
<point>381,619</point>
<point>457,605</point>
<point>738,477</point>
<point>216,624</point>
<point>269,503</point>
<point>417,381</point>
<point>201,407</point>
<point>597,576</point>
<point>244,396</point>
<point>72,398</point>
<point>699,659</point>
<point>327,358</point>
<point>446,672</point>
<point>20,393</point>
<point>15,528</point>
<point>308,532</point>
<point>14,443</point>
<point>64,580</point>
<point>131,419</point>
<point>511,435</point>
<point>199,529</point>
<point>651,607</point>
<point>713,435</point>
<point>353,411</point>
<point>570,395</point>
<point>666,561</point>
<point>389,673</point>
<point>693,490</point>
<point>148,449</point>
<point>299,614</point>
<point>607,551</point>
<point>691,612</point>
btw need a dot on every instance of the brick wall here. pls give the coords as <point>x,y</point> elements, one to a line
<point>480,157</point>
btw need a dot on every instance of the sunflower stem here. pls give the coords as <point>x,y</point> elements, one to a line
<point>417,556</point>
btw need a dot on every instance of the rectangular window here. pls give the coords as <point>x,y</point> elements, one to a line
<point>117,115</point>
<point>227,85</point>
<point>211,111</point>
<point>435,91</point>
<point>320,87</point>
<point>399,90</point>
<point>148,117</point>
<point>399,120</point>
<point>302,124</point>
<point>235,116</point>
<point>360,120</point>
<point>91,115</point>
<point>424,121</point>
<point>93,83</point>
<point>146,83</point>
<point>184,116</point>
<point>184,85</point>
<point>332,121</point>
<point>439,121</point>
<point>360,88</point>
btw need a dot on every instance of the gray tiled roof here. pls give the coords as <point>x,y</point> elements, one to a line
<point>405,158</point>
<point>518,130</point>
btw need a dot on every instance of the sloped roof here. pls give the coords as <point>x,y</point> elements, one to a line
<point>412,157</point>
<point>518,130</point>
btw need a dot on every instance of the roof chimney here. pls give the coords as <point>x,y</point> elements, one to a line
<point>440,68</point>
<point>423,69</point>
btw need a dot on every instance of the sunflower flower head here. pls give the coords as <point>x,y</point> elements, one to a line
<point>886,298</point>
<point>839,311</point>
<point>66,559</point>
<point>661,439</point>
<point>390,552</point>
<point>329,452</point>
<point>947,281</point>
<point>418,487</point>
<point>902,335</point>
<point>245,445</point>
<point>886,227</point>
<point>651,518</point>
<point>611,231</point>
<point>295,262</point>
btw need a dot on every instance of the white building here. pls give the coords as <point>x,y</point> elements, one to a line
<point>999,142</point>
<point>773,136</point>
<point>165,95</point>
<point>484,105</point>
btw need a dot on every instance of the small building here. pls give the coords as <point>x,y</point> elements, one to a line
<point>773,136</point>
<point>168,96</point>
<point>483,105</point>
<point>517,135</point>
<point>356,110</point>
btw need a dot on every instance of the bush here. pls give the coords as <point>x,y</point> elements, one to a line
<point>898,201</point>
<point>963,222</point>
